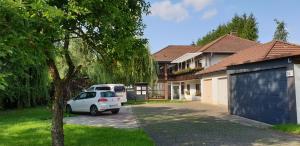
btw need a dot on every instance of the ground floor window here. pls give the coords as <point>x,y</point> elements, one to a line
<point>198,92</point>
<point>182,88</point>
<point>188,89</point>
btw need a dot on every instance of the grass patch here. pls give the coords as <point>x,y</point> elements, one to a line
<point>138,102</point>
<point>289,128</point>
<point>32,127</point>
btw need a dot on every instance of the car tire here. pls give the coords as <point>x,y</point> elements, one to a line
<point>69,109</point>
<point>94,110</point>
<point>116,111</point>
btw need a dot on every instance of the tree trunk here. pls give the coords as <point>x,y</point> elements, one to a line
<point>57,116</point>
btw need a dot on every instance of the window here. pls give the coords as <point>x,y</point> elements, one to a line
<point>188,89</point>
<point>108,94</point>
<point>82,96</point>
<point>183,65</point>
<point>119,89</point>
<point>198,63</point>
<point>141,89</point>
<point>198,92</point>
<point>182,88</point>
<point>90,94</point>
<point>102,88</point>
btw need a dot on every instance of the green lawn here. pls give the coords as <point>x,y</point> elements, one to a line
<point>289,128</point>
<point>32,127</point>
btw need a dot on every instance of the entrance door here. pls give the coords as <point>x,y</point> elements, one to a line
<point>207,93</point>
<point>176,92</point>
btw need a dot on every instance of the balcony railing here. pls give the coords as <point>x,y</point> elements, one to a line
<point>188,70</point>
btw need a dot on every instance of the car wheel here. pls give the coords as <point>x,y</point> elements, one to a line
<point>93,110</point>
<point>116,111</point>
<point>68,109</point>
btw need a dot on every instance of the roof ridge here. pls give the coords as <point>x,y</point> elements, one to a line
<point>244,39</point>
<point>175,46</point>
<point>293,44</point>
<point>274,42</point>
<point>161,50</point>
<point>212,43</point>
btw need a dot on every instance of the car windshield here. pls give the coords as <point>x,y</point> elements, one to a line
<point>119,89</point>
<point>108,94</point>
<point>102,88</point>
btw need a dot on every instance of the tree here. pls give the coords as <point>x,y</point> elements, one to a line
<point>244,26</point>
<point>280,33</point>
<point>110,30</point>
<point>250,30</point>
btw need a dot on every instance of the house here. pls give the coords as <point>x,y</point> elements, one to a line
<point>166,71</point>
<point>263,82</point>
<point>178,65</point>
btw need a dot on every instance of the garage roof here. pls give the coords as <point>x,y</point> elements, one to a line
<point>272,50</point>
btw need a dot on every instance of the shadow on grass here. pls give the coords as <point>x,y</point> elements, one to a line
<point>32,127</point>
<point>187,126</point>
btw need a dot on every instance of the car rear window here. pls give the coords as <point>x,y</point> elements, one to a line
<point>119,89</point>
<point>102,88</point>
<point>108,94</point>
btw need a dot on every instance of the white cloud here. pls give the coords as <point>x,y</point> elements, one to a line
<point>197,4</point>
<point>209,14</point>
<point>168,11</point>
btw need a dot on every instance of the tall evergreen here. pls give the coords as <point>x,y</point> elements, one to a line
<point>250,30</point>
<point>280,33</point>
<point>244,26</point>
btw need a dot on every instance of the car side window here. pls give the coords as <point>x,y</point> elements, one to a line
<point>91,94</point>
<point>82,95</point>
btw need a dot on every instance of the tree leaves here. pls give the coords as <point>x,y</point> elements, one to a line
<point>280,33</point>
<point>244,26</point>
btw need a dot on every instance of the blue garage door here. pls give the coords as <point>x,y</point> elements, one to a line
<point>260,95</point>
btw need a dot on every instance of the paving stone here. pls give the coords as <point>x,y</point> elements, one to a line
<point>125,119</point>
<point>194,123</point>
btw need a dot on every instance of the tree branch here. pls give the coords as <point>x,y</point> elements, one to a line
<point>52,66</point>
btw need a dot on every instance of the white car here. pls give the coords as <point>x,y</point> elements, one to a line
<point>119,89</point>
<point>94,102</point>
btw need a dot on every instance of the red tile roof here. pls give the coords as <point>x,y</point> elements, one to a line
<point>172,52</point>
<point>228,44</point>
<point>225,44</point>
<point>267,51</point>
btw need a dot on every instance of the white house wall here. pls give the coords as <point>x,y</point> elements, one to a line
<point>211,59</point>
<point>192,95</point>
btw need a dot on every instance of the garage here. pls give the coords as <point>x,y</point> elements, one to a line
<point>222,91</point>
<point>207,91</point>
<point>262,95</point>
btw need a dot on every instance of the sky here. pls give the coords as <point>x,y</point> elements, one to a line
<point>181,22</point>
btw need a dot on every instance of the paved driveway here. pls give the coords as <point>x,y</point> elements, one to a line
<point>125,119</point>
<point>193,123</point>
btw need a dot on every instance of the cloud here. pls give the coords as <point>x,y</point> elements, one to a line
<point>169,11</point>
<point>209,14</point>
<point>197,4</point>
